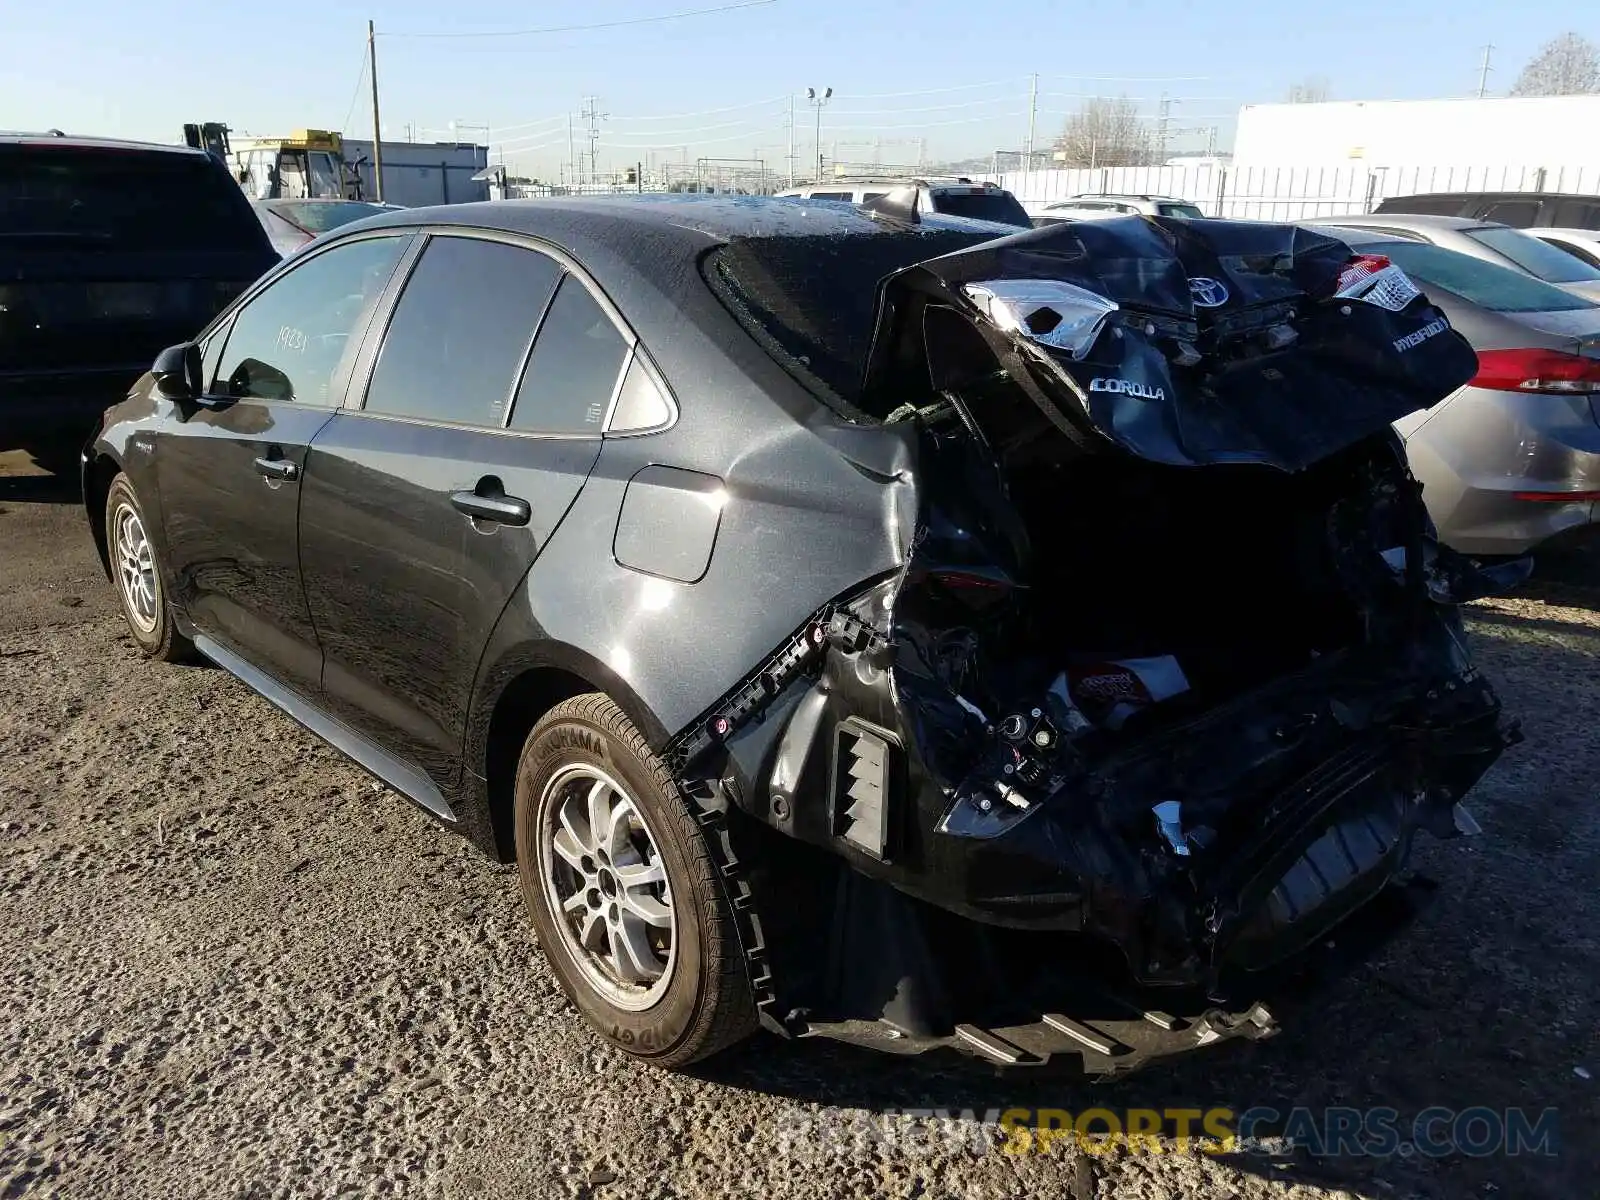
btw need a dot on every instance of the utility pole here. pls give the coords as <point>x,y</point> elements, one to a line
<point>593,115</point>
<point>817,102</point>
<point>377,126</point>
<point>791,139</point>
<point>1161,130</point>
<point>572,152</point>
<point>1033,113</point>
<point>1483,73</point>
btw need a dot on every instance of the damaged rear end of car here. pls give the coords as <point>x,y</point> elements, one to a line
<point>1168,679</point>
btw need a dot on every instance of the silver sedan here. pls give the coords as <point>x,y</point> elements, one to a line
<point>1517,249</point>
<point>1511,461</point>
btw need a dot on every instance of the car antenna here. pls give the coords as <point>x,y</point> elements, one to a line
<point>898,205</point>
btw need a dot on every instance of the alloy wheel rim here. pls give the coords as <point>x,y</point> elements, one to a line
<point>607,887</point>
<point>136,568</point>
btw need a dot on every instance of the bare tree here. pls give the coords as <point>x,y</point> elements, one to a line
<point>1104,133</point>
<point>1566,66</point>
<point>1310,91</point>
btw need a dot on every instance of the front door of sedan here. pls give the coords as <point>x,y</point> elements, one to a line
<point>230,472</point>
<point>422,512</point>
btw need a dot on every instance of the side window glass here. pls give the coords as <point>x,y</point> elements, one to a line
<point>642,406</point>
<point>573,370</point>
<point>1519,214</point>
<point>1577,252</point>
<point>1577,214</point>
<point>461,331</point>
<point>291,341</point>
<point>211,351</point>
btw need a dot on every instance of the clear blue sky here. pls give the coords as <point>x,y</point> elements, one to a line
<point>110,67</point>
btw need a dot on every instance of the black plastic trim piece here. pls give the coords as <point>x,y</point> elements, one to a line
<point>408,781</point>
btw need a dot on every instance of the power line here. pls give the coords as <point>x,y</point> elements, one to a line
<point>355,93</point>
<point>1004,98</point>
<point>960,87</point>
<point>533,124</point>
<point>708,112</point>
<point>936,124</point>
<point>1137,78</point>
<point>693,12</point>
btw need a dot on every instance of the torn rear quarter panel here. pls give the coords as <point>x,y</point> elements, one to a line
<point>1173,663</point>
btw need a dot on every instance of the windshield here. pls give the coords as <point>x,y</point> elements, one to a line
<point>319,218</point>
<point>1533,256</point>
<point>812,302</point>
<point>125,198</point>
<point>1001,207</point>
<point>1498,289</point>
<point>1181,210</point>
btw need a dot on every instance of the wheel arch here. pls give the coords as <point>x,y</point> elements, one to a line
<point>99,470</point>
<point>522,684</point>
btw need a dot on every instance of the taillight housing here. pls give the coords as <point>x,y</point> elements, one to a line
<point>1549,372</point>
<point>1372,278</point>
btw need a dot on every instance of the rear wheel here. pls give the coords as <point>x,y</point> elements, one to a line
<point>622,889</point>
<point>138,577</point>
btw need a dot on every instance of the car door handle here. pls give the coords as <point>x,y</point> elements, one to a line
<point>277,468</point>
<point>497,508</point>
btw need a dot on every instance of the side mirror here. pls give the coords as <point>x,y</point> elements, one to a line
<point>177,371</point>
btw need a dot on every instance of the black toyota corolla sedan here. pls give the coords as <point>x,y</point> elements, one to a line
<point>851,621</point>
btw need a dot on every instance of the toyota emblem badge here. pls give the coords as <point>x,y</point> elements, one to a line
<point>1207,293</point>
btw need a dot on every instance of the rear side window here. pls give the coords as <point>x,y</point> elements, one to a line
<point>573,371</point>
<point>1498,289</point>
<point>461,331</point>
<point>1519,214</point>
<point>77,196</point>
<point>1001,207</point>
<point>1572,248</point>
<point>293,339</point>
<point>832,196</point>
<point>1533,256</point>
<point>811,302</point>
<point>1181,210</point>
<point>1576,214</point>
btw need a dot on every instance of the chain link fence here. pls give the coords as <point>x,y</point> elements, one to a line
<point>1291,193</point>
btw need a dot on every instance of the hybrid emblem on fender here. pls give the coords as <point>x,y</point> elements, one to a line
<point>1207,293</point>
<point>1127,387</point>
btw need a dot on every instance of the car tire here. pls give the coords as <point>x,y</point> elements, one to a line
<point>620,881</point>
<point>136,572</point>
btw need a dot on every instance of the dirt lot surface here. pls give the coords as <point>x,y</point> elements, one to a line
<point>233,966</point>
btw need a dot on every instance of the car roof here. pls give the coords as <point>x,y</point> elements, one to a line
<point>1476,195</point>
<point>1418,221</point>
<point>57,138</point>
<point>640,249</point>
<point>1128,196</point>
<point>691,220</point>
<point>1583,235</point>
<point>1331,227</point>
<point>932,182</point>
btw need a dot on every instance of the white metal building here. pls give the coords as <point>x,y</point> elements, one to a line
<point>418,173</point>
<point>1538,131</point>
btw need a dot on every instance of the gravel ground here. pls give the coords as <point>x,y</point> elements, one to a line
<point>234,966</point>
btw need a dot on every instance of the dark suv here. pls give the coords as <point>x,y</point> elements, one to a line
<point>1520,210</point>
<point>109,251</point>
<point>868,625</point>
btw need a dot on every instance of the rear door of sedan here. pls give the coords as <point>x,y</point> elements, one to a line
<point>428,499</point>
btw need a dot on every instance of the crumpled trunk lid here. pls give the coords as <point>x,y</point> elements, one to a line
<point>1183,342</point>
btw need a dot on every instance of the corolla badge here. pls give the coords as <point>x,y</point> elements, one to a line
<point>1207,293</point>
